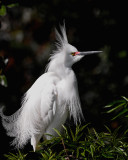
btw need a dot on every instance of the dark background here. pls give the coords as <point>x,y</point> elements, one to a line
<point>26,39</point>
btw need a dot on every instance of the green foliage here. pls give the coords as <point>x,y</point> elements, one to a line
<point>104,145</point>
<point>95,146</point>
<point>3,8</point>
<point>86,144</point>
<point>120,107</point>
<point>17,156</point>
<point>83,143</point>
<point>3,80</point>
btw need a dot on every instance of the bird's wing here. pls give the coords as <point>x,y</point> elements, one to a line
<point>41,101</point>
<point>48,103</point>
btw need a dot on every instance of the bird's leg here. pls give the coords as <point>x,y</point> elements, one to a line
<point>35,140</point>
<point>33,143</point>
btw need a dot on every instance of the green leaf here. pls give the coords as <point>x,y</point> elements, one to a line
<point>44,155</point>
<point>92,148</point>
<point>115,108</point>
<point>78,137</point>
<point>77,152</point>
<point>12,5</point>
<point>125,98</point>
<point>121,113</point>
<point>108,129</point>
<point>66,132</point>
<point>3,80</point>
<point>17,156</point>
<point>122,54</point>
<point>83,127</point>
<point>107,155</point>
<point>73,137</point>
<point>97,136</point>
<point>3,10</point>
<point>59,134</point>
<point>126,131</point>
<point>114,103</point>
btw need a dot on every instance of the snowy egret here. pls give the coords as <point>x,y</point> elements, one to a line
<point>50,100</point>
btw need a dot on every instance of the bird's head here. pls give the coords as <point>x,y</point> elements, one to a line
<point>72,55</point>
<point>67,53</point>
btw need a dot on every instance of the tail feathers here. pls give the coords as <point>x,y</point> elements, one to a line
<point>10,123</point>
<point>12,118</point>
<point>22,125</point>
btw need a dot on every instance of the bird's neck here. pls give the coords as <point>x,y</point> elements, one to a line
<point>59,68</point>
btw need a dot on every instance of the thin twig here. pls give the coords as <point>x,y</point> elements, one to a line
<point>65,150</point>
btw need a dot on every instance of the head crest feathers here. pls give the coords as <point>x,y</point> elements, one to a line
<point>61,38</point>
<point>61,41</point>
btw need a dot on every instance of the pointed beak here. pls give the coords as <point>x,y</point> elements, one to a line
<point>88,53</point>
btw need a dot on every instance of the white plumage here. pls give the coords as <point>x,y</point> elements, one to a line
<point>50,100</point>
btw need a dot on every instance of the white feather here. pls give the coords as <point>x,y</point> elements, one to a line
<point>49,101</point>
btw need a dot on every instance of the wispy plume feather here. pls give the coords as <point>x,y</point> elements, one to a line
<point>61,38</point>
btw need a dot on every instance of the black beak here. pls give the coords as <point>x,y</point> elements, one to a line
<point>89,52</point>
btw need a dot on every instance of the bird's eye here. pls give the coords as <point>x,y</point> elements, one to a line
<point>73,53</point>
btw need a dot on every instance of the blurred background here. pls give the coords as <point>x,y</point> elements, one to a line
<point>27,38</point>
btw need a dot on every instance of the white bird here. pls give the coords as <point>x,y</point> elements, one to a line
<point>50,100</point>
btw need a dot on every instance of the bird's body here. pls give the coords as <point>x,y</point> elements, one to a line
<point>50,100</point>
